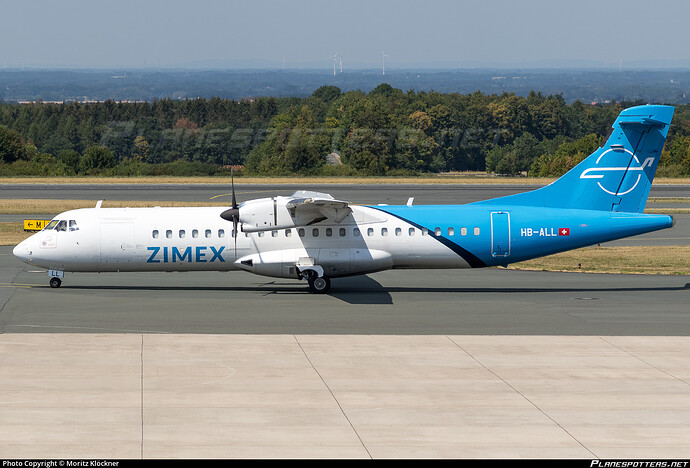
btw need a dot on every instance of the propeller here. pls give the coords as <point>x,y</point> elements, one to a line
<point>233,213</point>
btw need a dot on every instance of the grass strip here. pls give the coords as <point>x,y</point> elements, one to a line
<point>652,260</point>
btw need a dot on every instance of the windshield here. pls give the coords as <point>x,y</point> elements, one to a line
<point>61,225</point>
<point>50,225</point>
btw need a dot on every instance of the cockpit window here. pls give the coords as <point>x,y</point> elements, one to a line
<point>62,226</point>
<point>73,225</point>
<point>50,225</point>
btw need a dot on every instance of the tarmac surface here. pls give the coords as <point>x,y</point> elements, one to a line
<point>401,302</point>
<point>489,363</point>
<point>393,194</point>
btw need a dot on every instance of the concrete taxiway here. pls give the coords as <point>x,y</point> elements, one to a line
<point>343,396</point>
<point>486,363</point>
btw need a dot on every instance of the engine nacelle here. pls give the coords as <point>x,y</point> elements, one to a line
<point>300,209</point>
<point>267,214</point>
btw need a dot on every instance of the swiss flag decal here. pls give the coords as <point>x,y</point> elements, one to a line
<point>563,231</point>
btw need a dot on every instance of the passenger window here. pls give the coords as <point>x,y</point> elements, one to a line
<point>221,233</point>
<point>300,231</point>
<point>73,225</point>
<point>355,232</point>
<point>384,231</point>
<point>437,231</point>
<point>181,234</point>
<point>451,231</point>
<point>168,234</point>
<point>288,233</point>
<point>62,226</point>
<point>261,233</point>
<point>463,231</point>
<point>329,232</point>
<point>342,232</point>
<point>315,232</point>
<point>370,232</point>
<point>411,232</point>
<point>274,233</point>
<point>155,234</point>
<point>208,233</point>
<point>476,231</point>
<point>195,233</point>
<point>425,231</point>
<point>398,232</point>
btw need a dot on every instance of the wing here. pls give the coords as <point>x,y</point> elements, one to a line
<point>319,206</point>
<point>302,208</point>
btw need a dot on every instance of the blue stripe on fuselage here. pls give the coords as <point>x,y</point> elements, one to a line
<point>534,232</point>
<point>469,257</point>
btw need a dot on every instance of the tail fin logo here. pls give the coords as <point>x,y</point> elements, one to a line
<point>608,168</point>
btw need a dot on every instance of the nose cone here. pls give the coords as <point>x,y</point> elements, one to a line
<point>23,251</point>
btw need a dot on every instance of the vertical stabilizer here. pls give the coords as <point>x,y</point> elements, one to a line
<point>618,175</point>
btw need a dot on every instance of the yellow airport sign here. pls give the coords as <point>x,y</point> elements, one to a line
<point>35,224</point>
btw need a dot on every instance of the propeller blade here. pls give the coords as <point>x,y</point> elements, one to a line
<point>232,180</point>
<point>234,233</point>
<point>233,213</point>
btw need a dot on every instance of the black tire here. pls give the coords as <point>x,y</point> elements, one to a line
<point>319,285</point>
<point>55,282</point>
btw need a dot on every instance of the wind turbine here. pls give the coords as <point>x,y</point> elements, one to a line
<point>383,58</point>
<point>335,61</point>
<point>341,64</point>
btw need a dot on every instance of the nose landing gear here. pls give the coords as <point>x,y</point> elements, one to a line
<point>55,278</point>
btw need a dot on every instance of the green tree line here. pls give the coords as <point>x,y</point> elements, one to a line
<point>383,132</point>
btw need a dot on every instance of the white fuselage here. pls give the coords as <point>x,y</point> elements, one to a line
<point>197,239</point>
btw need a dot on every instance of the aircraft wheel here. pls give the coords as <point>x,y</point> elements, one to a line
<point>55,282</point>
<point>319,285</point>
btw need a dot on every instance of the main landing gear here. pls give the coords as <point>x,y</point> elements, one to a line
<point>317,284</point>
<point>55,282</point>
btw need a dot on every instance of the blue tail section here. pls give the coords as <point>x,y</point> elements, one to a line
<point>617,176</point>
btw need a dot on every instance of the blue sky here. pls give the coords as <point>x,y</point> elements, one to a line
<point>307,33</point>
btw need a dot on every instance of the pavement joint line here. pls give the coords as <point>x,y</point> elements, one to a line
<point>333,396</point>
<point>643,361</point>
<point>523,396</point>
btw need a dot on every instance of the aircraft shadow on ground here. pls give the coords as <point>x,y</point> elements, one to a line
<point>365,290</point>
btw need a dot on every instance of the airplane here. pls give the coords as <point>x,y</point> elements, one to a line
<point>313,237</point>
